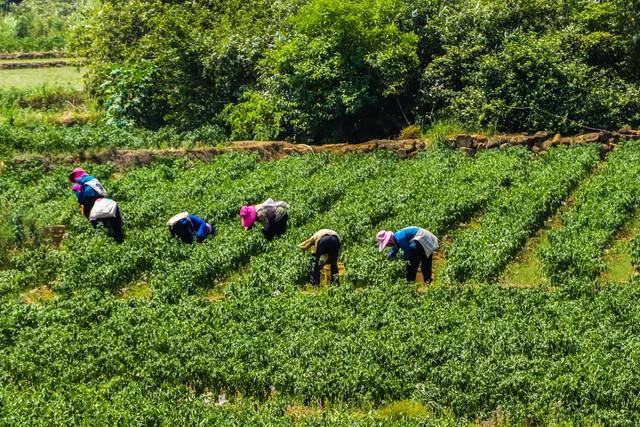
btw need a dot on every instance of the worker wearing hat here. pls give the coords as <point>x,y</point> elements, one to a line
<point>325,247</point>
<point>87,189</point>
<point>271,214</point>
<point>417,245</point>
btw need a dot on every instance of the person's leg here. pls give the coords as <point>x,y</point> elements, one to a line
<point>412,268</point>
<point>280,227</point>
<point>333,256</point>
<point>183,232</point>
<point>268,232</point>
<point>322,248</point>
<point>421,257</point>
<point>118,232</point>
<point>427,268</point>
<point>315,271</point>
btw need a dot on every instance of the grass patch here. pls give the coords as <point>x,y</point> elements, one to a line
<point>65,77</point>
<point>46,104</point>
<point>618,259</point>
<point>525,271</point>
<point>139,290</point>
<point>404,410</point>
<point>38,295</point>
<point>440,130</point>
<point>35,60</point>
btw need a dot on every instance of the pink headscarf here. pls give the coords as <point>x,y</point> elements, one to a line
<point>248,216</point>
<point>76,174</point>
<point>385,238</point>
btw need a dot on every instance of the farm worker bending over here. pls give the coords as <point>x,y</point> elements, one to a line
<point>271,214</point>
<point>186,226</point>
<point>107,212</point>
<point>87,189</point>
<point>418,246</point>
<point>325,246</point>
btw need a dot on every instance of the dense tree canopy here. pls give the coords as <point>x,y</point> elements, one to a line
<point>332,70</point>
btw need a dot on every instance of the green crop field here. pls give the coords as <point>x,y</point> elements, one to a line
<point>63,77</point>
<point>153,332</point>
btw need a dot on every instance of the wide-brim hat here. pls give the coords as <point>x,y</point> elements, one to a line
<point>248,216</point>
<point>76,174</point>
<point>384,237</point>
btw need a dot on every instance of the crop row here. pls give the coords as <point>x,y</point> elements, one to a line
<point>307,198</point>
<point>480,253</point>
<point>444,179</point>
<point>468,349</point>
<point>309,183</point>
<point>444,198</point>
<point>602,207</point>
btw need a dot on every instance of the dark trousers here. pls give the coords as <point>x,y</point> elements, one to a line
<point>418,258</point>
<point>87,206</point>
<point>114,226</point>
<point>276,228</point>
<point>329,246</point>
<point>183,231</point>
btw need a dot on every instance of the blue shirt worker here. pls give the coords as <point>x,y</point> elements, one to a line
<point>418,246</point>
<point>87,189</point>
<point>189,227</point>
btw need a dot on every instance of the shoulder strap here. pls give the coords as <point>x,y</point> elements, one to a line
<point>96,186</point>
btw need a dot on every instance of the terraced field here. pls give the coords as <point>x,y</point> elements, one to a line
<point>523,324</point>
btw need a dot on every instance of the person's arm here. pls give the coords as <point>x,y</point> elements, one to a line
<point>202,232</point>
<point>393,252</point>
<point>94,222</point>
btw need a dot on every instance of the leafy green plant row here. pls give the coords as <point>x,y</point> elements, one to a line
<point>148,196</point>
<point>172,268</point>
<point>79,139</point>
<point>308,198</point>
<point>468,349</point>
<point>442,198</point>
<point>353,217</point>
<point>480,253</point>
<point>602,206</point>
<point>434,176</point>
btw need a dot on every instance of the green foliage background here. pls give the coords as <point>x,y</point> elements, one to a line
<point>335,70</point>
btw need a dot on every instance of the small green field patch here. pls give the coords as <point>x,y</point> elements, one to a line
<point>618,260</point>
<point>65,77</point>
<point>139,290</point>
<point>35,60</point>
<point>525,271</point>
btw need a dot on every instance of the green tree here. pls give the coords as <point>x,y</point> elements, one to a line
<point>341,73</point>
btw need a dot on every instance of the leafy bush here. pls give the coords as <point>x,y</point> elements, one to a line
<point>338,81</point>
<point>327,70</point>
<point>32,25</point>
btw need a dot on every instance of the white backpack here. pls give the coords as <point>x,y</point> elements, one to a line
<point>177,218</point>
<point>97,187</point>
<point>103,208</point>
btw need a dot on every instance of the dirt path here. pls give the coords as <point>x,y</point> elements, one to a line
<point>18,65</point>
